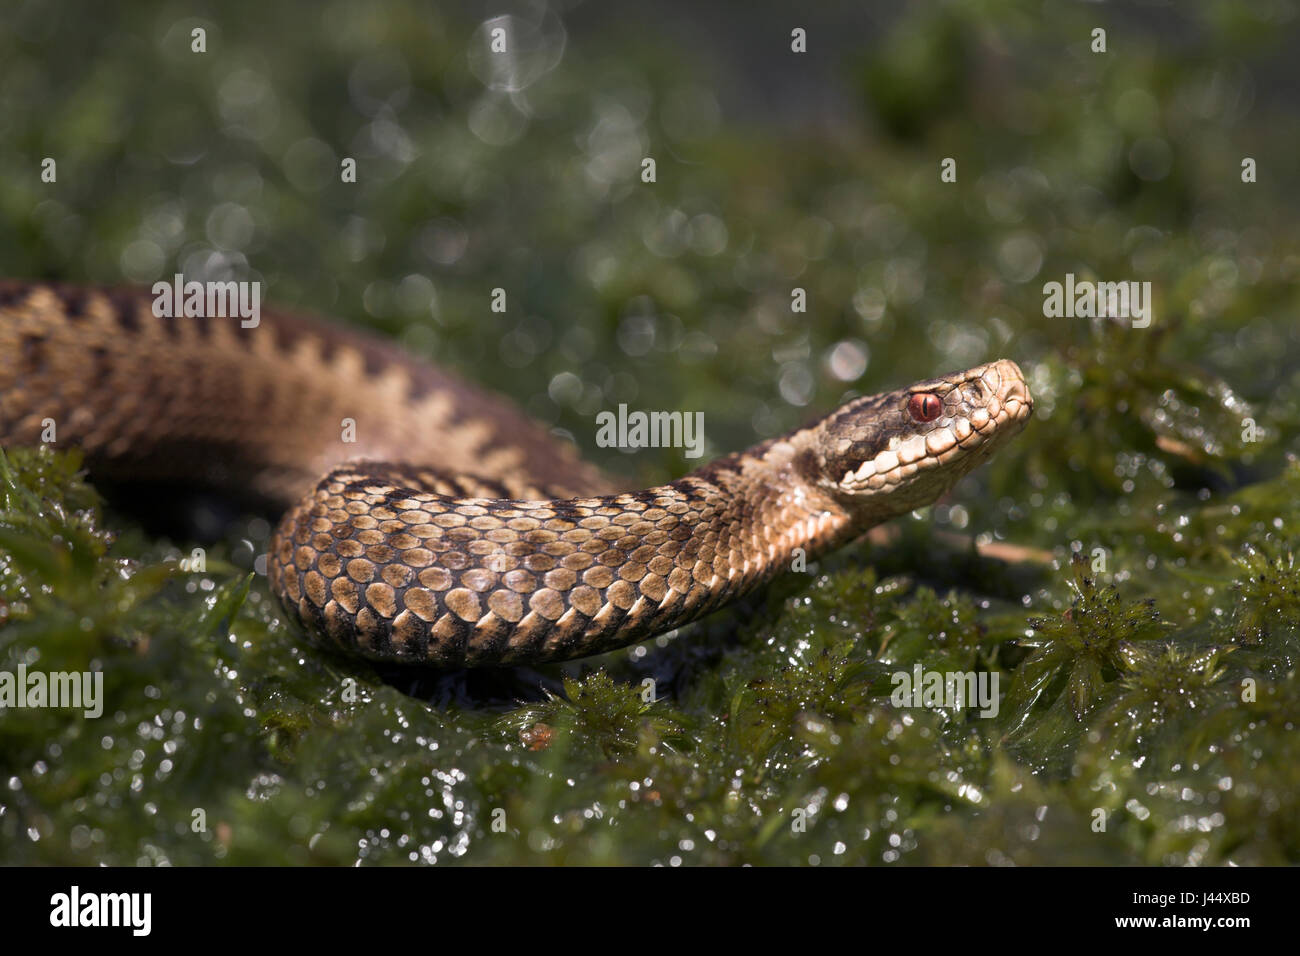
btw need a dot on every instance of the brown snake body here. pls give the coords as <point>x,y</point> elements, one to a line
<point>455,531</point>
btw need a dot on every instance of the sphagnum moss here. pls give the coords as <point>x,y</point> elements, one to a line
<point>223,739</point>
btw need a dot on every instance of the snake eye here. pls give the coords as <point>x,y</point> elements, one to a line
<point>924,406</point>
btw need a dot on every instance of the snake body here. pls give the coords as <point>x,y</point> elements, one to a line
<point>453,530</point>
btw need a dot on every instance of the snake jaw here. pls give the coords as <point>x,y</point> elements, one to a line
<point>880,454</point>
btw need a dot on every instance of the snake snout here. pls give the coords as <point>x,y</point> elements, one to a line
<point>1009,399</point>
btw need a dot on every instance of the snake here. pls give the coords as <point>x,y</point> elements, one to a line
<point>426,520</point>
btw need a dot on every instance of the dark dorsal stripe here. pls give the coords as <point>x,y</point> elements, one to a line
<point>74,299</point>
<point>126,308</point>
<point>34,353</point>
<point>14,293</point>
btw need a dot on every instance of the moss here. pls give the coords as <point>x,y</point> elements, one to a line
<point>1267,595</point>
<point>1075,652</point>
<point>787,749</point>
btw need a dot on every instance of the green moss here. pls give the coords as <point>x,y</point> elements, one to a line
<point>1267,595</point>
<point>1077,651</point>
<point>786,748</point>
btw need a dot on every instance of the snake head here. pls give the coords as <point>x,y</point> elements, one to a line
<point>900,450</point>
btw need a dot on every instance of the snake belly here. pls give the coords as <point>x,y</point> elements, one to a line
<point>429,521</point>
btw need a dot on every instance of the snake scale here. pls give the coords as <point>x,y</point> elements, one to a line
<point>453,530</point>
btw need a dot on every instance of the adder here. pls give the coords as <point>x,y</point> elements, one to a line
<point>453,530</point>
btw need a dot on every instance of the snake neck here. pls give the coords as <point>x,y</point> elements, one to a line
<point>497,581</point>
<point>775,508</point>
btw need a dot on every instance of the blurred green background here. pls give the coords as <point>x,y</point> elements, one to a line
<point>775,170</point>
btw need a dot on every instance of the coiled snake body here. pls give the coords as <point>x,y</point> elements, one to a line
<point>455,531</point>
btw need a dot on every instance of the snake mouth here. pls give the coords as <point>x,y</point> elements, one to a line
<point>976,411</point>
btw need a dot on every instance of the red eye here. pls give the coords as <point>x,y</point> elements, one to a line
<point>924,407</point>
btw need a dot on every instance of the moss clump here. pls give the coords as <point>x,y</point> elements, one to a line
<point>1075,653</point>
<point>1267,595</point>
<point>775,740</point>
